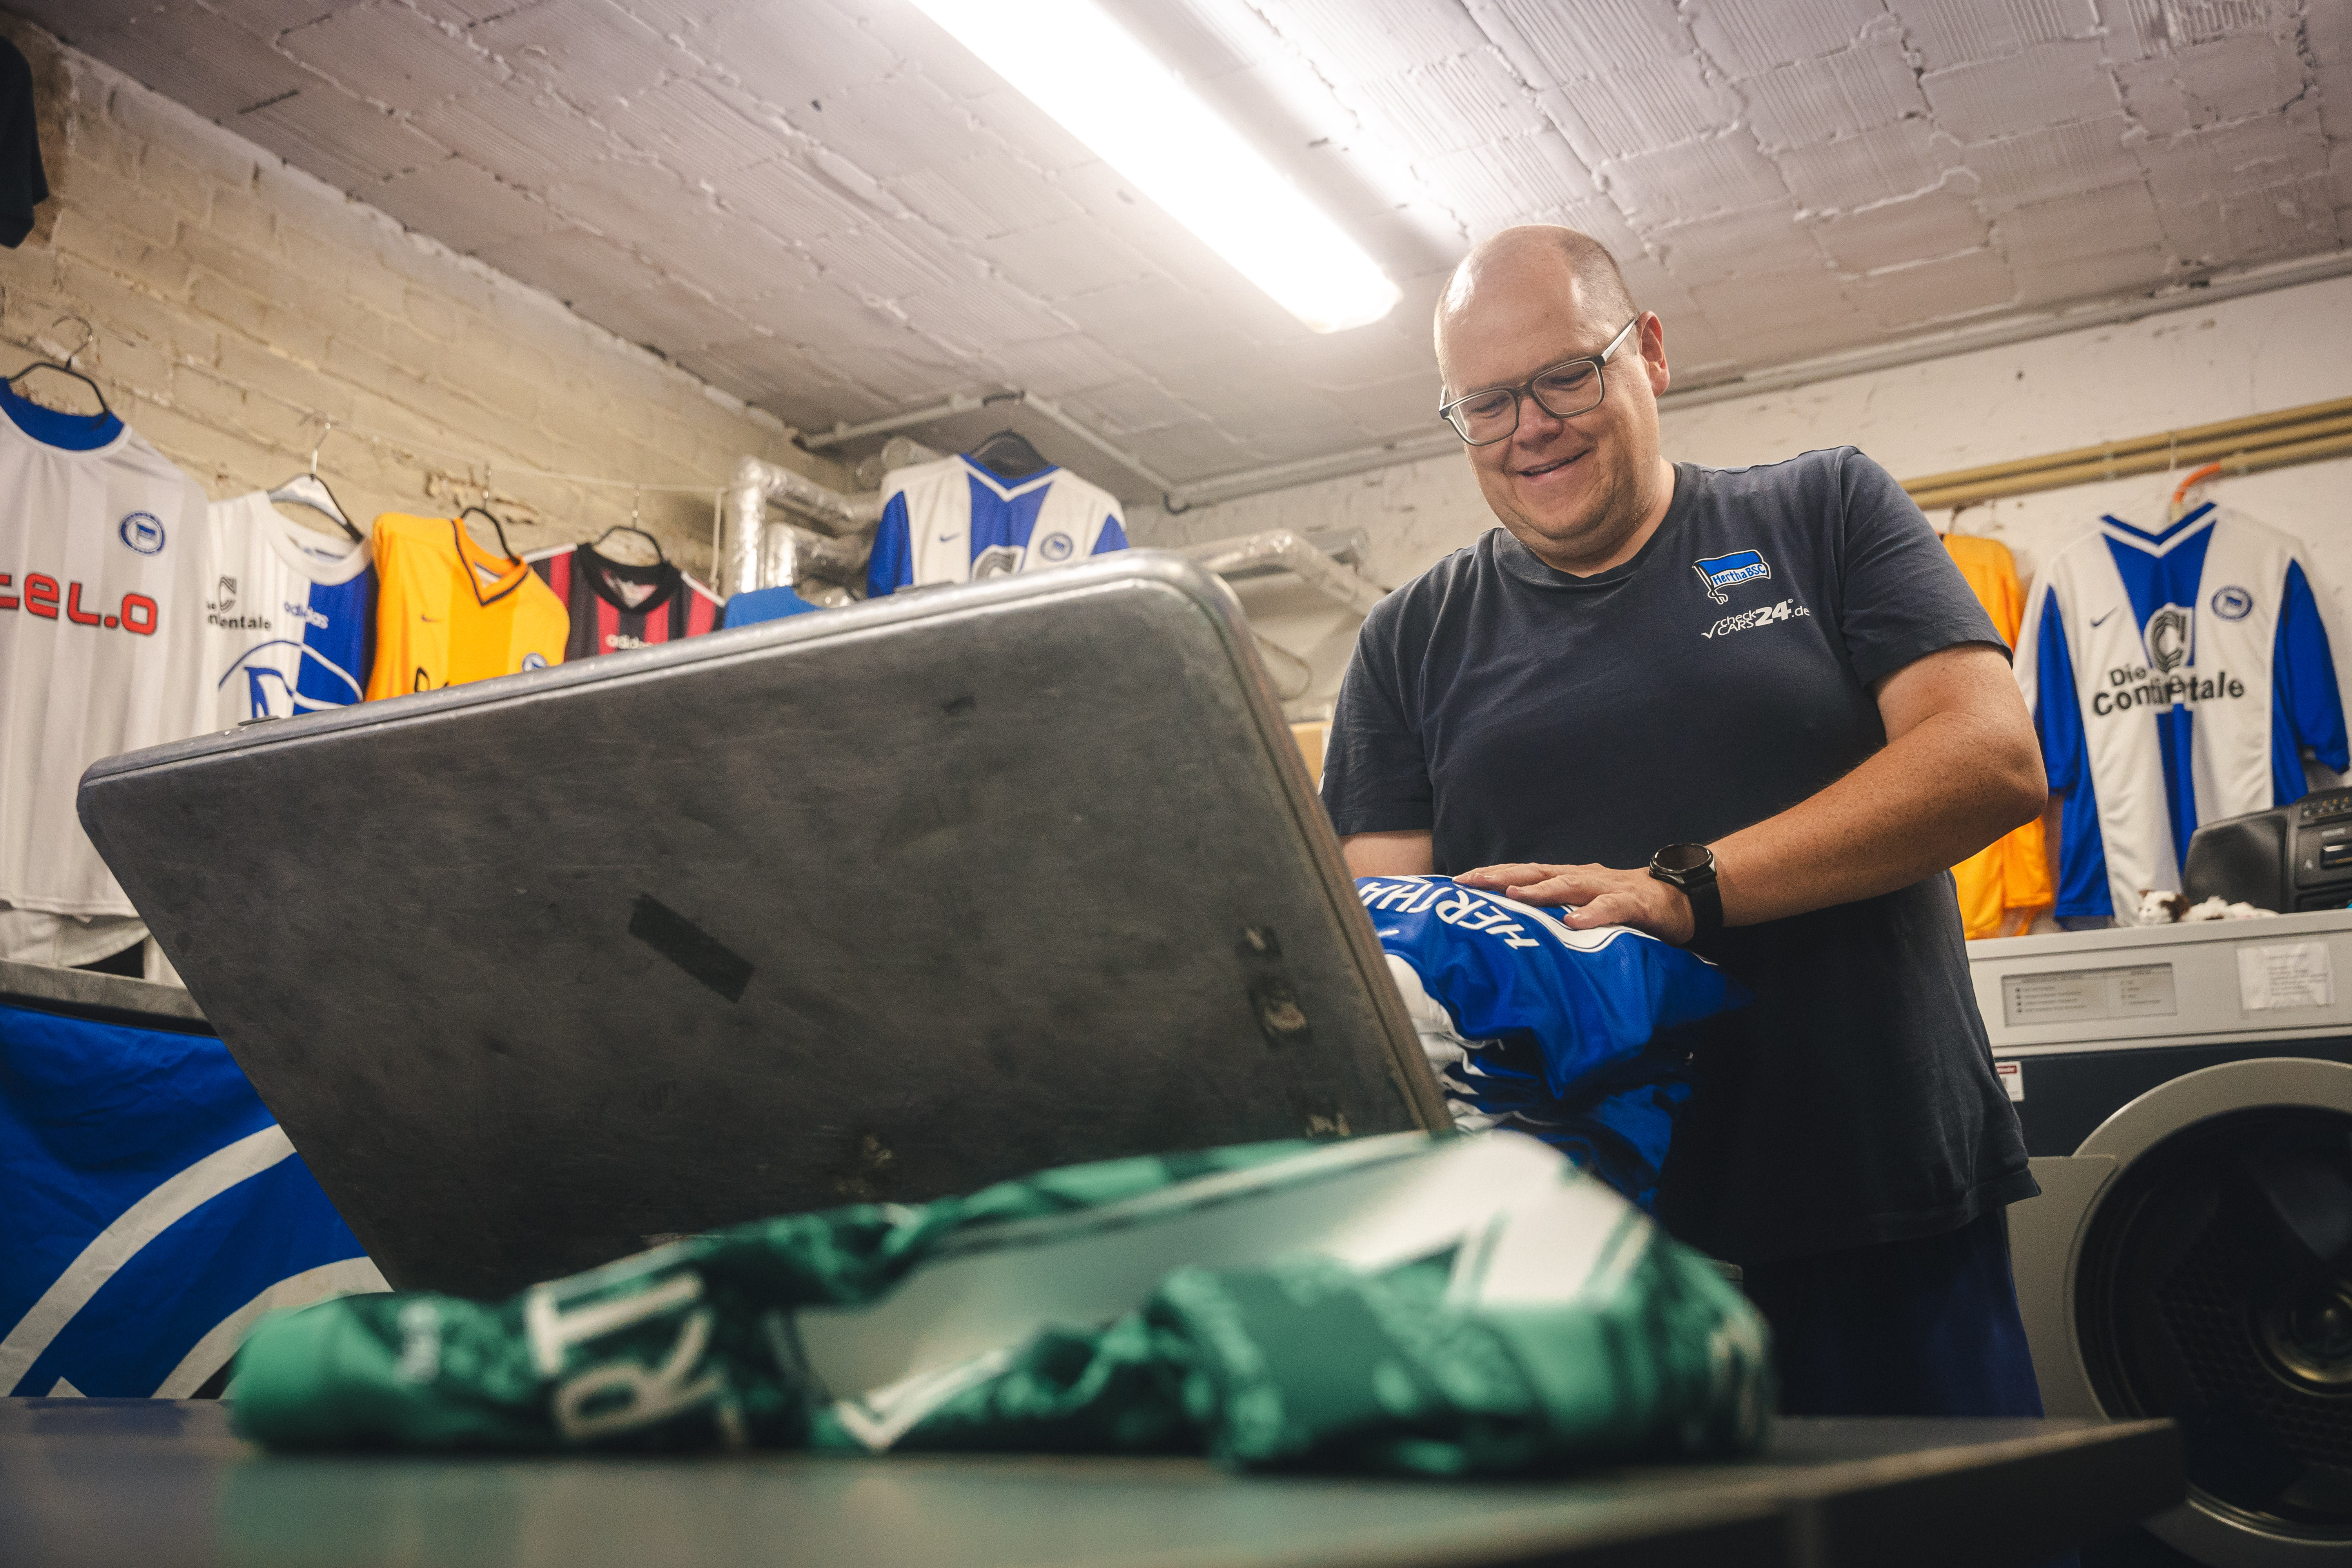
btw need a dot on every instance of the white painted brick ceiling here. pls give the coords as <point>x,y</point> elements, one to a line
<point>826,207</point>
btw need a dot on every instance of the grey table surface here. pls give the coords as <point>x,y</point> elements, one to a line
<point>158,1483</point>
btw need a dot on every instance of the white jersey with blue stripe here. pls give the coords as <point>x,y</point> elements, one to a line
<point>2177,677</point>
<point>289,614</point>
<point>101,575</point>
<point>954,522</point>
<point>1532,1024</point>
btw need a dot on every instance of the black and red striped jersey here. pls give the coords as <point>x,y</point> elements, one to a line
<point>616,606</point>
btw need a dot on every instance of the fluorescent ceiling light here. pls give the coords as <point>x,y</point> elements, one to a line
<point>1090,73</point>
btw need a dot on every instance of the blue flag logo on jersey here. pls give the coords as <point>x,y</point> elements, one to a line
<point>1722,572</point>
<point>154,1211</point>
<point>143,531</point>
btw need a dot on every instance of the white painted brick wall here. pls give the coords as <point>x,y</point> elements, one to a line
<point>2242,356</point>
<point>239,304</point>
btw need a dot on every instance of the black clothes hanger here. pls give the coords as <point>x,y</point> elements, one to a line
<point>661,557</point>
<point>495,527</point>
<point>309,489</point>
<point>1008,455</point>
<point>65,368</point>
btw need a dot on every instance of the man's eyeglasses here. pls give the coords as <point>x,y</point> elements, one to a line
<point>1564,391</point>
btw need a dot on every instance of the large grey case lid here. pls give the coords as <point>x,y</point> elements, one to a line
<point>884,904</point>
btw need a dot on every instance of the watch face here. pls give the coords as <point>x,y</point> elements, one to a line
<point>1682,857</point>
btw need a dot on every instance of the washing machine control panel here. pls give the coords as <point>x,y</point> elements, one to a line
<point>2286,977</point>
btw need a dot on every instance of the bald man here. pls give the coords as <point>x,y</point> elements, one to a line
<point>1755,710</point>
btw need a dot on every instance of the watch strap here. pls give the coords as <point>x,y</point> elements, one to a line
<point>1697,882</point>
<point>1707,908</point>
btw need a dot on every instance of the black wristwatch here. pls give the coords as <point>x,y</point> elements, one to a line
<point>1691,867</point>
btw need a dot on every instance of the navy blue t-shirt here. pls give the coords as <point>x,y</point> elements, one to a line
<point>1718,678</point>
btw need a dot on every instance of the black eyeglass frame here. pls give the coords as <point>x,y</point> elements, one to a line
<point>1526,389</point>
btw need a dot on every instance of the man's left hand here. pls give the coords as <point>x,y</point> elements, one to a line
<point>1592,896</point>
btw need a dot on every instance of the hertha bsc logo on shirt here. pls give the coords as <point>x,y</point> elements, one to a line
<point>143,533</point>
<point>1722,572</point>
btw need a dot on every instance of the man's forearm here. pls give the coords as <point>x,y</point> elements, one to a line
<point>1944,790</point>
<point>1411,854</point>
<point>1961,768</point>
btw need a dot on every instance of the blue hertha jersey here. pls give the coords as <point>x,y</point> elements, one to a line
<point>1532,1024</point>
<point>289,616</point>
<point>150,1212</point>
<point>955,522</point>
<point>2176,676</point>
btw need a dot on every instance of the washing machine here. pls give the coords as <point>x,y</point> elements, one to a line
<point>2186,1093</point>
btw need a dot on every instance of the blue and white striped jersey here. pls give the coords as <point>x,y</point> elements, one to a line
<point>2177,677</point>
<point>289,614</point>
<point>954,522</point>
<point>1533,1026</point>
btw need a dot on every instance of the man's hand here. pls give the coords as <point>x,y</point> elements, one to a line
<point>1593,896</point>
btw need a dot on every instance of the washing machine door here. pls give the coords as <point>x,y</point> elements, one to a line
<point>2209,1279</point>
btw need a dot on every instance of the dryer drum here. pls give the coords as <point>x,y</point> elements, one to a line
<point>2214,1286</point>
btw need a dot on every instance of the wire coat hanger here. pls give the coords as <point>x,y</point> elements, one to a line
<point>1009,455</point>
<point>309,489</point>
<point>2180,492</point>
<point>508,550</point>
<point>495,527</point>
<point>661,557</point>
<point>89,336</point>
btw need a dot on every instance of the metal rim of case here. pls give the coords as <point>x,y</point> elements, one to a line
<point>2207,1531</point>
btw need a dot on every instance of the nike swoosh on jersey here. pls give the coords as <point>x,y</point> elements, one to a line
<point>2103,619</point>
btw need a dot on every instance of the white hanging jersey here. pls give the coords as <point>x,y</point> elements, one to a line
<point>101,616</point>
<point>289,616</point>
<point>2176,677</point>
<point>954,522</point>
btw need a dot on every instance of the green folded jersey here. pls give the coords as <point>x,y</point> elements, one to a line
<point>1456,1304</point>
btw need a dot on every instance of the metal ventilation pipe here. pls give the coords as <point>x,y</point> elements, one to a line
<point>794,554</point>
<point>1282,549</point>
<point>748,556</point>
<point>898,452</point>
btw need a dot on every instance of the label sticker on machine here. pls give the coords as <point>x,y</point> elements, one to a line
<point>2012,1078</point>
<point>2284,974</point>
<point>2077,995</point>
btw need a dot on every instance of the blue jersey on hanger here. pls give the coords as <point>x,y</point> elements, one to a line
<point>753,605</point>
<point>955,522</point>
<point>289,614</point>
<point>1529,1024</point>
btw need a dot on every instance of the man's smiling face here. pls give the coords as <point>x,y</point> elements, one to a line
<point>1572,490</point>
